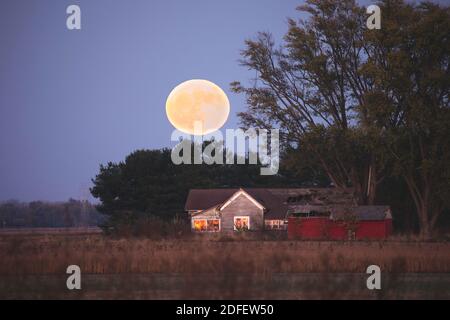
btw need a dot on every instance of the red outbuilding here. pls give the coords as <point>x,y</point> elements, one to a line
<point>340,222</point>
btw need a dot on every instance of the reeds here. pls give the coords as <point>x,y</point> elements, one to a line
<point>96,254</point>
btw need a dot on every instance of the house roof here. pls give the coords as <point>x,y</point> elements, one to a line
<point>340,212</point>
<point>210,212</point>
<point>365,213</point>
<point>240,192</point>
<point>275,201</point>
<point>202,199</point>
<point>315,196</point>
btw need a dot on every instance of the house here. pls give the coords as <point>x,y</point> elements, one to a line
<point>214,210</point>
<point>305,213</point>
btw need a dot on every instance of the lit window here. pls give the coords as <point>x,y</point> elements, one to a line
<point>241,223</point>
<point>203,225</point>
<point>213,225</point>
<point>199,225</point>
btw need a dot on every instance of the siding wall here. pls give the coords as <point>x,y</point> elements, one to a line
<point>324,228</point>
<point>242,206</point>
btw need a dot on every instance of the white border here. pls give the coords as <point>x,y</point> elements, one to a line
<point>193,226</point>
<point>237,194</point>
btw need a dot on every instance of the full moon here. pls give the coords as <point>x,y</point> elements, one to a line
<point>197,107</point>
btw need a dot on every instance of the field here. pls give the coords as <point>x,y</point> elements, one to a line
<point>33,265</point>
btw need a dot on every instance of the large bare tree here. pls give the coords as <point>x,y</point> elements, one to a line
<point>314,90</point>
<point>360,101</point>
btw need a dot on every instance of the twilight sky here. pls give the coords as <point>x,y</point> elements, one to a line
<point>70,100</point>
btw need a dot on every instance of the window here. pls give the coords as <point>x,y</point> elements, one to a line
<point>241,223</point>
<point>213,225</point>
<point>275,225</point>
<point>206,225</point>
<point>199,225</point>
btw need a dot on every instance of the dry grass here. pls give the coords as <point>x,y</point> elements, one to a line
<point>34,266</point>
<point>96,254</point>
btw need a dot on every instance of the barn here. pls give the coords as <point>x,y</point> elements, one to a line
<point>340,222</point>
<point>305,213</point>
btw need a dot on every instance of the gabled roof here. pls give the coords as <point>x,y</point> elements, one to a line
<point>276,201</point>
<point>202,199</point>
<point>245,194</point>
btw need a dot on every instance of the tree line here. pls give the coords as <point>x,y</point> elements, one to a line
<point>39,214</point>
<point>148,184</point>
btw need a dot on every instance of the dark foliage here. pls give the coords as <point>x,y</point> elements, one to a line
<point>147,184</point>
